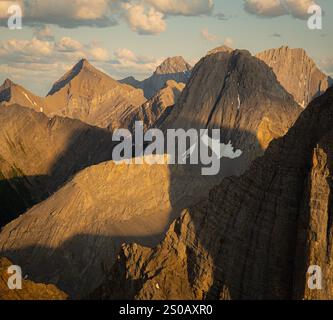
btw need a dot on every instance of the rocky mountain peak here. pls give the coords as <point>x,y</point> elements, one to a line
<point>240,95</point>
<point>297,73</point>
<point>173,65</point>
<point>82,66</point>
<point>7,83</point>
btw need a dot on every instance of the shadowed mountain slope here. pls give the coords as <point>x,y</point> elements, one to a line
<point>239,94</point>
<point>39,154</point>
<point>256,235</point>
<point>29,291</point>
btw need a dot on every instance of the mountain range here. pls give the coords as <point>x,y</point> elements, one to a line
<point>174,68</point>
<point>74,218</point>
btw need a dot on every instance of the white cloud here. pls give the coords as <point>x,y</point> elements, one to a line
<point>37,63</point>
<point>126,63</point>
<point>22,50</point>
<point>208,36</point>
<point>275,8</point>
<point>35,60</point>
<point>125,54</point>
<point>64,13</point>
<point>326,65</point>
<point>43,32</point>
<point>67,44</point>
<point>142,16</point>
<point>183,7</point>
<point>228,42</point>
<point>143,20</point>
<point>98,54</point>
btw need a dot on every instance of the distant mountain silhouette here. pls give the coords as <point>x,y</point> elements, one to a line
<point>175,68</point>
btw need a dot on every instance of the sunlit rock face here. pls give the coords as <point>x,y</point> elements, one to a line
<point>87,94</point>
<point>297,73</point>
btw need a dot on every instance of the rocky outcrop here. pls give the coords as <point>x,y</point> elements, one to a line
<point>12,93</point>
<point>256,235</point>
<point>154,112</point>
<point>88,94</point>
<point>175,68</point>
<point>297,73</point>
<point>239,94</point>
<point>38,154</point>
<point>29,291</point>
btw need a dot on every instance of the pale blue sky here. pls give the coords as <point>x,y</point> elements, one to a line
<point>183,36</point>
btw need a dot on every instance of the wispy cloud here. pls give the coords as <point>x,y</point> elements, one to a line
<point>183,7</point>
<point>326,65</point>
<point>208,36</point>
<point>275,8</point>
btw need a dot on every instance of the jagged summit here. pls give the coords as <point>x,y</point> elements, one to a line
<point>82,66</point>
<point>173,68</point>
<point>173,65</point>
<point>239,94</point>
<point>297,73</point>
<point>7,83</point>
<point>90,95</point>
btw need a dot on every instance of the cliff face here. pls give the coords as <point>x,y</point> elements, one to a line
<point>256,235</point>
<point>29,291</point>
<point>240,95</point>
<point>297,72</point>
